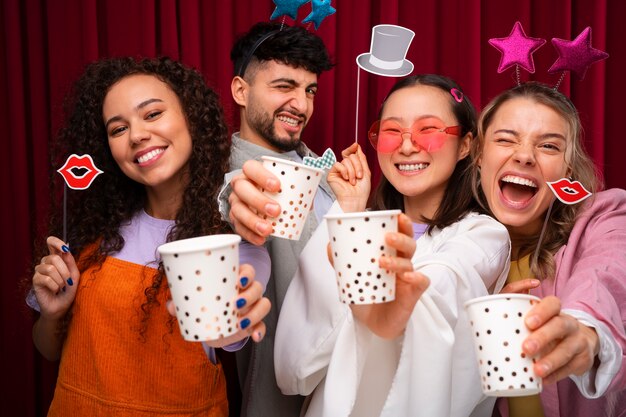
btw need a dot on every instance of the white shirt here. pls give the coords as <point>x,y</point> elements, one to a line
<point>431,370</point>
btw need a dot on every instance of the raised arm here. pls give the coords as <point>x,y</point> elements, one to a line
<point>248,203</point>
<point>54,284</point>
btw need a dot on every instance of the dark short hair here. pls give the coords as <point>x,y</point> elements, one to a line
<point>289,45</point>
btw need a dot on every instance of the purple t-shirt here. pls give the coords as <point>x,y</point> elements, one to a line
<point>418,230</point>
<point>143,234</point>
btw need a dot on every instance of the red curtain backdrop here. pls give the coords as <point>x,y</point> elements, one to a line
<point>44,46</point>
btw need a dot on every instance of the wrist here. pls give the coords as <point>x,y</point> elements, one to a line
<point>352,205</point>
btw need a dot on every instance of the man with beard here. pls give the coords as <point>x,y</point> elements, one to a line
<point>276,70</point>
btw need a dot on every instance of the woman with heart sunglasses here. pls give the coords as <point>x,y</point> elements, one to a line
<point>572,255</point>
<point>411,356</point>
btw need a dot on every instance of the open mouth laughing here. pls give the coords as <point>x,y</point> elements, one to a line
<point>517,191</point>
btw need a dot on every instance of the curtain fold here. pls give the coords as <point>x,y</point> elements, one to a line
<point>44,46</point>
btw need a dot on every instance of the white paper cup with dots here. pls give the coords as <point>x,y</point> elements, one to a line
<point>298,185</point>
<point>202,274</point>
<point>498,328</point>
<point>357,241</point>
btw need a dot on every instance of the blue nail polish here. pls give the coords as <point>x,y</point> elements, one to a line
<point>241,302</point>
<point>63,289</point>
<point>244,281</point>
<point>70,282</point>
<point>65,248</point>
<point>244,323</point>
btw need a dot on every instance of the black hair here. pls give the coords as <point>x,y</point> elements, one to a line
<point>289,45</point>
<point>458,199</point>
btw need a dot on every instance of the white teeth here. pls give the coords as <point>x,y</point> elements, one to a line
<point>518,180</point>
<point>412,167</point>
<point>148,156</point>
<point>290,121</point>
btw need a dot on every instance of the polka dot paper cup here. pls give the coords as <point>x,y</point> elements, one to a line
<point>357,242</point>
<point>202,275</point>
<point>298,185</point>
<point>498,327</point>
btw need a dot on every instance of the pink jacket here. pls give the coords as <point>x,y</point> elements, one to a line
<point>591,277</point>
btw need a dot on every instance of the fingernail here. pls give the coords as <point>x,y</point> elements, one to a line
<point>70,282</point>
<point>272,209</point>
<point>530,346</point>
<point>263,228</point>
<point>63,289</point>
<point>271,183</point>
<point>244,323</point>
<point>259,336</point>
<point>244,281</point>
<point>545,368</point>
<point>532,322</point>
<point>65,248</point>
<point>241,302</point>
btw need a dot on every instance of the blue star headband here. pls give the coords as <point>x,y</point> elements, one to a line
<point>320,10</point>
<point>246,59</point>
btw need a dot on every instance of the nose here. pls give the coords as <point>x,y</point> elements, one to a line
<point>407,146</point>
<point>299,101</point>
<point>525,155</point>
<point>138,133</point>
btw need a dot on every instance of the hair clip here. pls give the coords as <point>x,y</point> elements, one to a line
<point>457,94</point>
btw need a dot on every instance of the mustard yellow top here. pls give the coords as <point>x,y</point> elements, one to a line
<point>529,406</point>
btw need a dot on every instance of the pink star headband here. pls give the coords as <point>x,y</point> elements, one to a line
<point>575,56</point>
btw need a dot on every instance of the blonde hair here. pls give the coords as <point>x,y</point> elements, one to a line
<point>579,164</point>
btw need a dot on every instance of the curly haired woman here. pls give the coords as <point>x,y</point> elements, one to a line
<point>158,133</point>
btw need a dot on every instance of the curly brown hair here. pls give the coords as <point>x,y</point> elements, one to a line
<point>96,214</point>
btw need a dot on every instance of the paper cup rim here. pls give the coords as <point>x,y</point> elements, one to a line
<point>209,242</point>
<point>493,297</point>
<point>359,214</point>
<point>292,163</point>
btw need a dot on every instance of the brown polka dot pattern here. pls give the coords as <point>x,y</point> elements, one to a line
<point>202,275</point>
<point>298,184</point>
<point>498,329</point>
<point>358,241</point>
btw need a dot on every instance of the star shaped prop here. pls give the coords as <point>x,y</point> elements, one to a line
<point>517,49</point>
<point>577,55</point>
<point>287,7</point>
<point>320,9</point>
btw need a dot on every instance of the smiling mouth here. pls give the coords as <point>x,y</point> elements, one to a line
<point>148,156</point>
<point>291,121</point>
<point>517,189</point>
<point>411,167</point>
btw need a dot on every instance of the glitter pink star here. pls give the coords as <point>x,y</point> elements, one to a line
<point>577,55</point>
<point>517,49</point>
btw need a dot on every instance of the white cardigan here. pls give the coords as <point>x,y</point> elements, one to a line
<point>320,350</point>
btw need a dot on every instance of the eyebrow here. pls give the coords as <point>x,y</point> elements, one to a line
<point>139,106</point>
<point>544,136</point>
<point>418,119</point>
<point>291,82</point>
